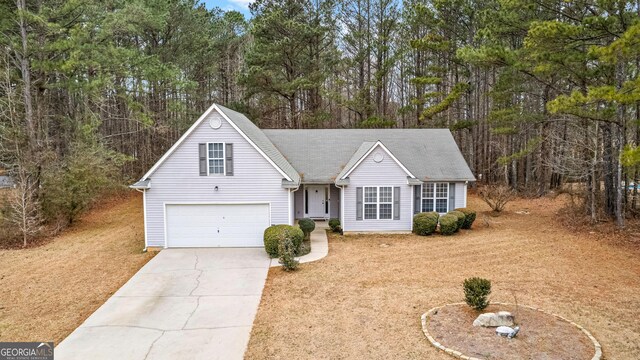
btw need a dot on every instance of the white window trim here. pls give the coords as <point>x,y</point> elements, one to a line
<point>435,195</point>
<point>224,158</point>
<point>377,203</point>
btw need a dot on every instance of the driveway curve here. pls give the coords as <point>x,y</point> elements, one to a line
<point>183,304</point>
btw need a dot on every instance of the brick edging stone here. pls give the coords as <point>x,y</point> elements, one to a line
<point>455,353</point>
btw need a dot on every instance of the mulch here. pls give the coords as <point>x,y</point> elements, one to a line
<point>541,336</point>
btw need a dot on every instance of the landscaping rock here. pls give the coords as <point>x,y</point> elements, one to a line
<point>507,331</point>
<point>501,318</point>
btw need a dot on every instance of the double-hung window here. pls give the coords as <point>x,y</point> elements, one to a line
<point>215,158</point>
<point>378,202</point>
<point>435,197</point>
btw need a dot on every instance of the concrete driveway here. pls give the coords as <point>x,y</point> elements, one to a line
<point>183,304</point>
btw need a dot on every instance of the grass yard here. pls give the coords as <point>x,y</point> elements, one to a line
<point>365,299</point>
<point>47,291</point>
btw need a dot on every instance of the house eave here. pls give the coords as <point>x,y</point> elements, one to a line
<point>343,182</point>
<point>141,185</point>
<point>286,184</point>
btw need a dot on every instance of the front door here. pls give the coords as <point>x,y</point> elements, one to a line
<point>317,201</point>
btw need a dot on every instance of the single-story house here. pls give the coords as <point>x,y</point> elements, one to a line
<point>225,180</point>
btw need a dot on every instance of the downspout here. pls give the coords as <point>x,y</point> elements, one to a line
<point>293,210</point>
<point>341,205</point>
<point>144,209</point>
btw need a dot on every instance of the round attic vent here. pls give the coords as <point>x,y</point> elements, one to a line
<point>215,122</point>
<point>378,157</point>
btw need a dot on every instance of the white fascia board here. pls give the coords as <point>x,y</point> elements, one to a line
<point>178,143</point>
<point>194,126</point>
<point>252,143</point>
<point>380,144</point>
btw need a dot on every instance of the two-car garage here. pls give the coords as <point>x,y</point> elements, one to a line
<point>216,225</point>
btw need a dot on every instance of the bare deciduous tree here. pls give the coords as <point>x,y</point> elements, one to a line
<point>496,196</point>
<point>25,211</point>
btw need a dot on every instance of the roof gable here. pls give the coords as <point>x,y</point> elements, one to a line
<point>363,151</point>
<point>249,132</point>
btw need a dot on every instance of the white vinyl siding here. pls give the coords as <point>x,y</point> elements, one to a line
<point>389,175</point>
<point>435,197</point>
<point>215,158</point>
<point>177,180</point>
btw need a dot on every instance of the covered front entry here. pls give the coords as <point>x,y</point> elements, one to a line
<point>316,201</point>
<point>216,225</point>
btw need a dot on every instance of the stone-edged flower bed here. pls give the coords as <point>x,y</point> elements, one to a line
<point>449,328</point>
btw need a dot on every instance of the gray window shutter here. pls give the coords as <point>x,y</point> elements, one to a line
<point>358,203</point>
<point>417,199</point>
<point>452,196</point>
<point>228,151</point>
<point>396,203</point>
<point>202,156</point>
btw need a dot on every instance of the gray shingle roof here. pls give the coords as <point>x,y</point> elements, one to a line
<point>262,141</point>
<point>320,155</point>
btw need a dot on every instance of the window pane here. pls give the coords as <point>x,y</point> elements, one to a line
<point>370,194</point>
<point>441,190</point>
<point>217,151</point>
<point>370,211</point>
<point>427,205</point>
<point>427,190</point>
<point>216,158</point>
<point>441,205</point>
<point>386,211</point>
<point>216,166</point>
<point>386,194</point>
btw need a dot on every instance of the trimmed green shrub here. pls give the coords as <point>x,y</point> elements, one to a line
<point>307,225</point>
<point>448,224</point>
<point>425,223</point>
<point>287,251</point>
<point>334,224</point>
<point>476,292</point>
<point>275,234</point>
<point>470,217</point>
<point>461,217</point>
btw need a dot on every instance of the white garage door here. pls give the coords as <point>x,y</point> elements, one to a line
<point>228,225</point>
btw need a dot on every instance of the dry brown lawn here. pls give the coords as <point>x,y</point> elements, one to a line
<point>365,299</point>
<point>47,291</point>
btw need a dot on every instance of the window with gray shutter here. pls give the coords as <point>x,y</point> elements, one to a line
<point>202,159</point>
<point>358,203</point>
<point>396,203</point>
<point>452,196</point>
<point>228,152</point>
<point>417,199</point>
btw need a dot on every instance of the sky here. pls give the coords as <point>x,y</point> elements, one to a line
<point>238,5</point>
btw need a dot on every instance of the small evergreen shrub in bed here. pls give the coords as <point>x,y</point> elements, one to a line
<point>470,217</point>
<point>307,225</point>
<point>476,292</point>
<point>287,251</point>
<point>334,224</point>
<point>461,218</point>
<point>425,223</point>
<point>448,224</point>
<point>275,234</point>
